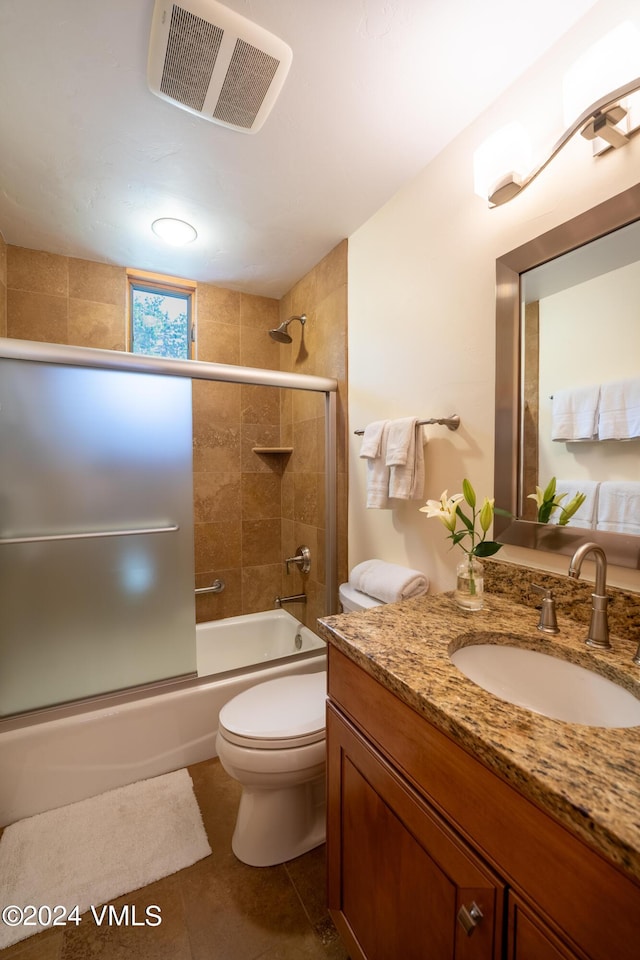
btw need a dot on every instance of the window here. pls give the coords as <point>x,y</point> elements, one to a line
<point>160,316</point>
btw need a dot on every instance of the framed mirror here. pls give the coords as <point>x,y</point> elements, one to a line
<point>607,236</point>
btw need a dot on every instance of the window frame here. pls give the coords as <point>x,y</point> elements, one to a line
<point>160,284</point>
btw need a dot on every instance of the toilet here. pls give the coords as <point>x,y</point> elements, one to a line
<point>271,739</point>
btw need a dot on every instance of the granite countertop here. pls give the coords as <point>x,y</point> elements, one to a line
<point>588,778</point>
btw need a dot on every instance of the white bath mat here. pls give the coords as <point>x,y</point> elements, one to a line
<point>93,851</point>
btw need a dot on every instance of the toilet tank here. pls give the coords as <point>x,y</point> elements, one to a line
<point>352,599</point>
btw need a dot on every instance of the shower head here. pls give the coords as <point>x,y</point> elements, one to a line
<point>281,334</point>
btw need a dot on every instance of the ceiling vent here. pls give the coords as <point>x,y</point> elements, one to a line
<point>213,62</point>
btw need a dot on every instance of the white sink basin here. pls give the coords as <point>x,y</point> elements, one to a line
<point>555,688</point>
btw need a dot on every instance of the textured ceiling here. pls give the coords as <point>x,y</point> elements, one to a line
<point>89,156</point>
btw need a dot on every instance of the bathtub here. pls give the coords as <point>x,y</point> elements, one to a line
<point>54,762</point>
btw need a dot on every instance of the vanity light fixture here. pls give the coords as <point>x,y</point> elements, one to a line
<point>608,122</point>
<point>175,232</point>
<point>601,119</point>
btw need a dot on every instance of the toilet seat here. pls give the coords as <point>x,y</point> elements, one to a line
<point>282,713</point>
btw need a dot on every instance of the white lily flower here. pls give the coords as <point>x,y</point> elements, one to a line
<point>444,508</point>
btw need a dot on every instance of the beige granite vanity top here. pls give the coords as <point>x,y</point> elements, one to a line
<point>588,778</point>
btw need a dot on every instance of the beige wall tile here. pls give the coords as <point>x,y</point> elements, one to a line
<point>261,542</point>
<point>215,401</point>
<point>216,496</point>
<point>331,272</point>
<point>228,603</point>
<point>216,447</point>
<point>261,435</point>
<point>98,282</point>
<point>260,404</point>
<point>261,584</point>
<point>217,342</point>
<point>261,496</point>
<point>261,313</point>
<point>37,272</point>
<point>98,325</point>
<point>36,316</point>
<point>305,498</point>
<point>217,545</point>
<point>217,305</point>
<point>257,349</point>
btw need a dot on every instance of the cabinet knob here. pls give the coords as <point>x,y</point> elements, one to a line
<point>469,917</point>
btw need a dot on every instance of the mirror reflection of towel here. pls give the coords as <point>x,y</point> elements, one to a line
<point>575,414</point>
<point>619,506</point>
<point>619,410</point>
<point>585,516</point>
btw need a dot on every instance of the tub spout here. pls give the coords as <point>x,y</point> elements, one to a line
<point>296,598</point>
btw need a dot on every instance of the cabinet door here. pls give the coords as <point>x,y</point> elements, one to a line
<point>531,939</point>
<point>401,882</point>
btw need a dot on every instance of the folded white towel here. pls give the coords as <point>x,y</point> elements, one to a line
<point>372,440</point>
<point>405,459</point>
<point>619,506</point>
<point>401,437</point>
<point>374,449</point>
<point>585,516</point>
<point>388,581</point>
<point>575,414</point>
<point>619,410</point>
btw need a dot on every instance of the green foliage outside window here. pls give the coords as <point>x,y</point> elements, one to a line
<point>160,324</point>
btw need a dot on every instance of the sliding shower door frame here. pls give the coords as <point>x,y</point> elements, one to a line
<point>220,372</point>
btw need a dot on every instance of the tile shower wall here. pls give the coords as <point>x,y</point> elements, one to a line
<point>319,348</point>
<point>248,508</point>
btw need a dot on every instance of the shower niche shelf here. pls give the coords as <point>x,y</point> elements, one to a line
<point>284,450</point>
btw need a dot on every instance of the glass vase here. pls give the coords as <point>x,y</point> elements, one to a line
<point>469,592</point>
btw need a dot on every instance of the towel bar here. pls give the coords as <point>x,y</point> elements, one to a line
<point>452,423</point>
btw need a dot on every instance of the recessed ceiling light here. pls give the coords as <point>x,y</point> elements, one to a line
<point>175,232</point>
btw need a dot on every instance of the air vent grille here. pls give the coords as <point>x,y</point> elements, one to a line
<point>192,50</point>
<point>213,62</point>
<point>246,85</point>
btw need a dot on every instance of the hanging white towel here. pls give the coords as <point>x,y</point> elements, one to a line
<point>619,410</point>
<point>575,414</point>
<point>374,450</point>
<point>405,459</point>
<point>619,506</point>
<point>388,581</point>
<point>585,516</point>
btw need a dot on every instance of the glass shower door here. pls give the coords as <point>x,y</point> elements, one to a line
<point>96,532</point>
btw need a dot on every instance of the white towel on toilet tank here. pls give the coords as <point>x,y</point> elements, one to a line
<point>388,581</point>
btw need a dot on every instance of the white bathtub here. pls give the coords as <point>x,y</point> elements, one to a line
<point>50,763</point>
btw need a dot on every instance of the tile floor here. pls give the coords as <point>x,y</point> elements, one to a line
<point>217,909</point>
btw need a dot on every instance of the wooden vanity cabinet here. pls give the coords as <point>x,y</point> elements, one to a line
<point>402,875</point>
<point>422,839</point>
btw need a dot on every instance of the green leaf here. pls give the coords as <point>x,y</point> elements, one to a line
<point>502,513</point>
<point>487,548</point>
<point>468,524</point>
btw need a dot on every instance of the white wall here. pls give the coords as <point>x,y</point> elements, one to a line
<point>422,304</point>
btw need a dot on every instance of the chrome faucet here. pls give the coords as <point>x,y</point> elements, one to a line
<point>598,635</point>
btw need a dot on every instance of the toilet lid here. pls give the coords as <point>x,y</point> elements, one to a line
<point>288,711</point>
